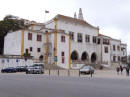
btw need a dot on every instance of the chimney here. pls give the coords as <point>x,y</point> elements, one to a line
<point>80,16</point>
<point>75,16</point>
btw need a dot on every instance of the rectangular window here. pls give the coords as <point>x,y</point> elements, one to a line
<point>38,49</point>
<point>63,60</point>
<point>30,49</point>
<point>71,35</point>
<point>106,41</point>
<point>87,38</point>
<point>114,58</point>
<point>94,39</point>
<point>106,49</point>
<point>79,37</point>
<point>118,58</point>
<point>26,51</point>
<point>62,54</point>
<point>123,52</point>
<point>122,49</point>
<point>29,36</point>
<point>98,41</point>
<point>63,57</point>
<point>62,38</point>
<point>118,48</point>
<point>114,47</point>
<point>39,37</point>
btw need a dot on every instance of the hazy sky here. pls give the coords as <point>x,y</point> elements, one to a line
<point>112,16</point>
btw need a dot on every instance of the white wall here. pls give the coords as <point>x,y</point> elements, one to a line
<point>63,46</point>
<point>13,63</point>
<point>12,43</point>
<point>116,52</point>
<point>124,52</point>
<point>34,44</point>
<point>68,26</point>
<point>106,58</point>
<point>35,27</point>
<point>76,28</point>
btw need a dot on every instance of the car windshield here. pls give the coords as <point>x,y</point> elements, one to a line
<point>30,67</point>
<point>86,67</point>
<point>22,66</point>
<point>38,64</point>
<point>10,67</point>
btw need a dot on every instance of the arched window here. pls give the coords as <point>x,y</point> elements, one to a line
<point>41,57</point>
<point>74,55</point>
<point>93,57</point>
<point>84,56</point>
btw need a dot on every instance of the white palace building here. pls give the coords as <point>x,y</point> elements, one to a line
<point>66,42</point>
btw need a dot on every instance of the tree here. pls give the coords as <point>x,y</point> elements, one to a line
<point>8,24</point>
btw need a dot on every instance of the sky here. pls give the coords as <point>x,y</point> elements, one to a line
<point>112,16</point>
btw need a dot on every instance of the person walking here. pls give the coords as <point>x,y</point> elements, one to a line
<point>127,71</point>
<point>121,69</point>
<point>118,69</point>
<point>91,73</point>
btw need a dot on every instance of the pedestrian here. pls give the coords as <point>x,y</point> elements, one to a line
<point>91,73</point>
<point>121,69</point>
<point>118,69</point>
<point>127,71</point>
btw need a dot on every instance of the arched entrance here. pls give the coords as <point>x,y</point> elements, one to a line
<point>74,55</point>
<point>41,57</point>
<point>93,57</point>
<point>84,56</point>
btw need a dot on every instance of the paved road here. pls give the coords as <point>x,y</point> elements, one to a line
<point>21,85</point>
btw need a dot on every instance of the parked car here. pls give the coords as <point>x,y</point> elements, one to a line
<point>34,70</point>
<point>124,66</point>
<point>86,70</point>
<point>21,68</point>
<point>9,70</point>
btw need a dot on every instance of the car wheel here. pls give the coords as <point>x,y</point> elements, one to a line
<point>26,72</point>
<point>85,73</point>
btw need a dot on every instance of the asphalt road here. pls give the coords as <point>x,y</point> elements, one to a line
<point>22,85</point>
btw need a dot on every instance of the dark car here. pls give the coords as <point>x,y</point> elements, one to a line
<point>21,68</point>
<point>9,70</point>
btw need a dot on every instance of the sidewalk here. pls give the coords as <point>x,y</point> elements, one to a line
<point>110,74</point>
<point>75,73</point>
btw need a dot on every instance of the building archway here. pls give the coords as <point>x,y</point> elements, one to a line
<point>84,56</point>
<point>41,57</point>
<point>93,57</point>
<point>74,55</point>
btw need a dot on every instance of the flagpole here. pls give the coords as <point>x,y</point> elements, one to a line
<point>45,17</point>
